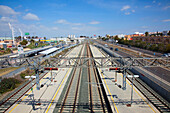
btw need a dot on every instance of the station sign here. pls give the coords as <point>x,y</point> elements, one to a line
<point>27,33</point>
<point>20,50</point>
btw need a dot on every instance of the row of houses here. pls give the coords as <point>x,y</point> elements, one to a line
<point>148,39</point>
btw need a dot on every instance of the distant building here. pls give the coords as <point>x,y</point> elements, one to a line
<point>5,38</point>
<point>121,36</point>
<point>165,33</point>
<point>137,34</point>
<point>8,41</point>
<point>127,37</point>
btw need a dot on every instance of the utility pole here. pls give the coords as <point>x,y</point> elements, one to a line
<point>12,29</point>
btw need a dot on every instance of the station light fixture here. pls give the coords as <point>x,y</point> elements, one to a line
<point>50,68</point>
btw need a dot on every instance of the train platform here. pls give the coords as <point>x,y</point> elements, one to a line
<point>46,98</point>
<point>120,100</point>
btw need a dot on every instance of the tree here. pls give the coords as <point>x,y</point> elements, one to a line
<point>157,33</point>
<point>116,37</point>
<point>167,48</point>
<point>146,33</point>
<point>32,41</point>
<point>24,42</point>
<point>161,34</point>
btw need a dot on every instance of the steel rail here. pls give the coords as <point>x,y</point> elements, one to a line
<point>68,90</point>
<point>97,81</point>
<point>20,95</point>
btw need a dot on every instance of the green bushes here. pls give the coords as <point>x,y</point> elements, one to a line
<point>24,42</point>
<point>140,44</point>
<point>32,45</point>
<point>2,51</point>
<point>28,72</point>
<point>23,75</point>
<point>8,84</point>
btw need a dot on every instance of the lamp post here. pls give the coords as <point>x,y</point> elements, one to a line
<point>132,76</point>
<point>31,77</point>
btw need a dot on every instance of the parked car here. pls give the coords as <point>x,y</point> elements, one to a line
<point>166,55</point>
<point>116,49</point>
<point>106,45</point>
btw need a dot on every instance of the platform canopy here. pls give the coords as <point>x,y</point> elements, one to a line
<point>48,51</point>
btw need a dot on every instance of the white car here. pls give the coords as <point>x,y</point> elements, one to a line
<point>166,55</point>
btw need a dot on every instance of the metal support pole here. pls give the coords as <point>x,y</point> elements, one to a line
<point>132,92</point>
<point>33,100</point>
<point>115,76</point>
<point>37,79</point>
<point>124,79</point>
<point>51,75</point>
<point>32,96</point>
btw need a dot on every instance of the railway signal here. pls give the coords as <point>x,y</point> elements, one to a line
<point>51,68</point>
<point>116,70</point>
<point>113,68</point>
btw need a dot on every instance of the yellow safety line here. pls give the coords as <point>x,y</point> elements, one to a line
<point>130,86</point>
<point>25,96</point>
<point>57,91</point>
<point>139,94</point>
<point>109,91</point>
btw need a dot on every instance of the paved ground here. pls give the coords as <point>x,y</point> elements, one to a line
<point>47,95</point>
<point>118,97</point>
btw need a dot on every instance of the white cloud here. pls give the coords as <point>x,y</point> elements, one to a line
<point>5,10</point>
<point>154,1</point>
<point>7,19</point>
<point>55,28</point>
<point>159,3</point>
<point>77,24</point>
<point>166,7</point>
<point>127,13</point>
<point>144,27</point>
<point>167,20</point>
<point>30,16</point>
<point>62,21</point>
<point>75,28</point>
<point>147,6</point>
<point>133,11</point>
<point>126,7</point>
<point>27,10</point>
<point>94,22</point>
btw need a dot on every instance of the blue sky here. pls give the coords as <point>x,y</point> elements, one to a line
<point>53,18</point>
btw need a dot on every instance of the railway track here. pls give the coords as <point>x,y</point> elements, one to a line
<point>83,92</point>
<point>17,94</point>
<point>160,103</point>
<point>97,95</point>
